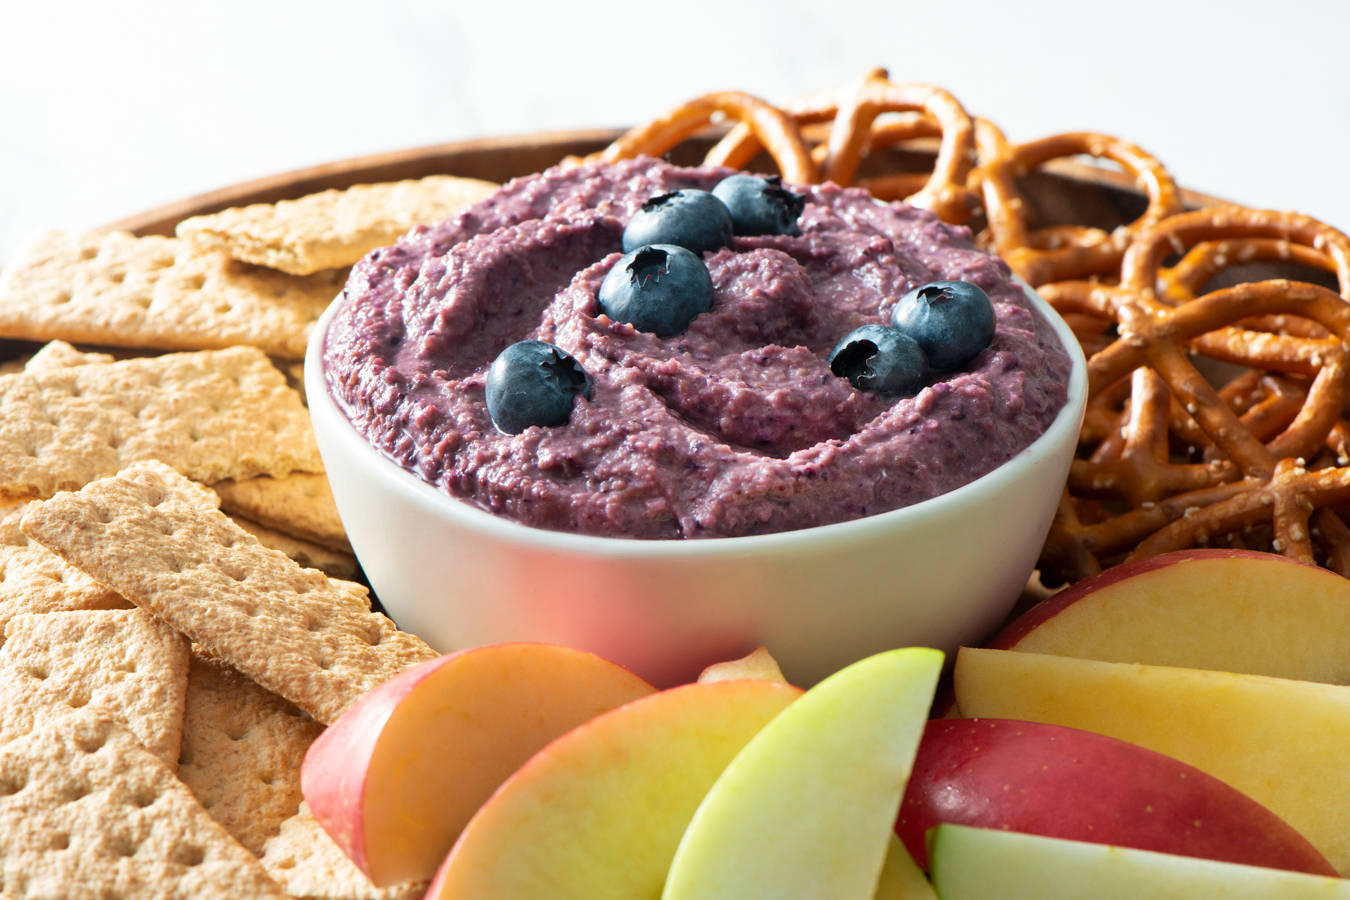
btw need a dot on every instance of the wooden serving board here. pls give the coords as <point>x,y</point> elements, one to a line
<point>1064,191</point>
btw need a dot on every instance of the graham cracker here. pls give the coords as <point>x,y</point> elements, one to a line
<point>61,355</point>
<point>300,504</point>
<point>306,553</point>
<point>35,580</point>
<point>213,414</point>
<point>123,663</point>
<point>158,540</point>
<point>87,812</point>
<point>242,750</point>
<point>303,859</point>
<point>116,289</point>
<point>332,228</point>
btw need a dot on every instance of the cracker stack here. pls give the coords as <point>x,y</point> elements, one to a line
<point>165,664</point>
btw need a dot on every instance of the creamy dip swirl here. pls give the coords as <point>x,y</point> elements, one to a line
<point>736,426</point>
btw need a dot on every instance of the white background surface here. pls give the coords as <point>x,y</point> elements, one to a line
<point>110,108</point>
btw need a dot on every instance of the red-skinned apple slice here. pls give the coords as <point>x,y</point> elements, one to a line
<point>1279,741</point>
<point>979,863</point>
<point>1229,610</point>
<point>598,813</point>
<point>398,775</point>
<point>1066,783</point>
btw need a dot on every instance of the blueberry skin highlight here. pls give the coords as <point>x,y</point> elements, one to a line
<point>695,220</point>
<point>658,288</point>
<point>880,359</point>
<point>533,383</point>
<point>952,321</point>
<point>760,205</point>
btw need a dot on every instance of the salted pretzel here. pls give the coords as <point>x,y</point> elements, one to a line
<point>860,119</point>
<point>1062,252</point>
<point>1246,440</point>
<point>772,127</point>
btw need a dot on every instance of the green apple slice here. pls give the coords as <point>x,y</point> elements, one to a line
<point>979,863</point>
<point>807,808</point>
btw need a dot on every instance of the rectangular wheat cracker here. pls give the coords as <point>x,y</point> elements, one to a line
<point>124,663</point>
<point>35,580</point>
<point>307,553</point>
<point>116,289</point>
<point>242,750</point>
<point>213,415</point>
<point>332,228</point>
<point>158,540</point>
<point>300,504</point>
<point>87,812</point>
<point>309,866</point>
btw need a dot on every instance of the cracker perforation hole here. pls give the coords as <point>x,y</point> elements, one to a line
<point>102,515</point>
<point>267,778</point>
<point>91,741</point>
<point>189,855</point>
<point>117,277</point>
<point>61,297</point>
<point>236,572</point>
<point>88,253</point>
<point>77,700</point>
<point>121,845</point>
<point>236,734</point>
<point>143,797</point>
<point>196,282</point>
<point>325,663</point>
<point>12,782</point>
<point>60,841</point>
<point>76,790</point>
<point>37,672</point>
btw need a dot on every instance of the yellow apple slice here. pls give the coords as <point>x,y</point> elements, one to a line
<point>759,663</point>
<point>901,878</point>
<point>397,776</point>
<point>1281,742</point>
<point>1230,610</point>
<point>808,808</point>
<point>598,813</point>
<point>979,863</point>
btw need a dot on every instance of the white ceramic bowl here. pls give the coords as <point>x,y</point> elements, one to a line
<point>939,573</point>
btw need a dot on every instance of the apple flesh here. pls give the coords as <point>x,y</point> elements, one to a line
<point>759,663</point>
<point>807,808</point>
<point>598,813</point>
<point>397,776</point>
<point>978,863</point>
<point>1281,742</point>
<point>1066,783</point>
<point>1228,610</point>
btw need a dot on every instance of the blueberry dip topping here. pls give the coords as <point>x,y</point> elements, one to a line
<point>658,288</point>
<point>880,359</point>
<point>695,220</point>
<point>951,320</point>
<point>760,205</point>
<point>533,383</point>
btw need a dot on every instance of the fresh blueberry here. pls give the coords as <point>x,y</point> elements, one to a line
<point>952,321</point>
<point>695,220</point>
<point>658,288</point>
<point>760,205</point>
<point>533,383</point>
<point>880,359</point>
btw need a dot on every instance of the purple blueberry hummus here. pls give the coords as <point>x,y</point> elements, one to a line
<point>735,426</point>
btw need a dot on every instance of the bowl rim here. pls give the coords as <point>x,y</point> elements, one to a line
<point>1069,419</point>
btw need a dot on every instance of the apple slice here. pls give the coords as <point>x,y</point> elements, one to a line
<point>397,776</point>
<point>599,812</point>
<point>901,878</point>
<point>1066,783</point>
<point>807,808</point>
<point>979,863</point>
<point>759,663</point>
<point>1281,742</point>
<point>1230,610</point>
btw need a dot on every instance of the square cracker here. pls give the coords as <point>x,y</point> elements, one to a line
<point>332,228</point>
<point>35,580</point>
<point>87,812</point>
<point>124,663</point>
<point>158,540</point>
<point>300,504</point>
<point>242,750</point>
<point>309,866</point>
<point>307,553</point>
<point>214,415</point>
<point>115,289</point>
